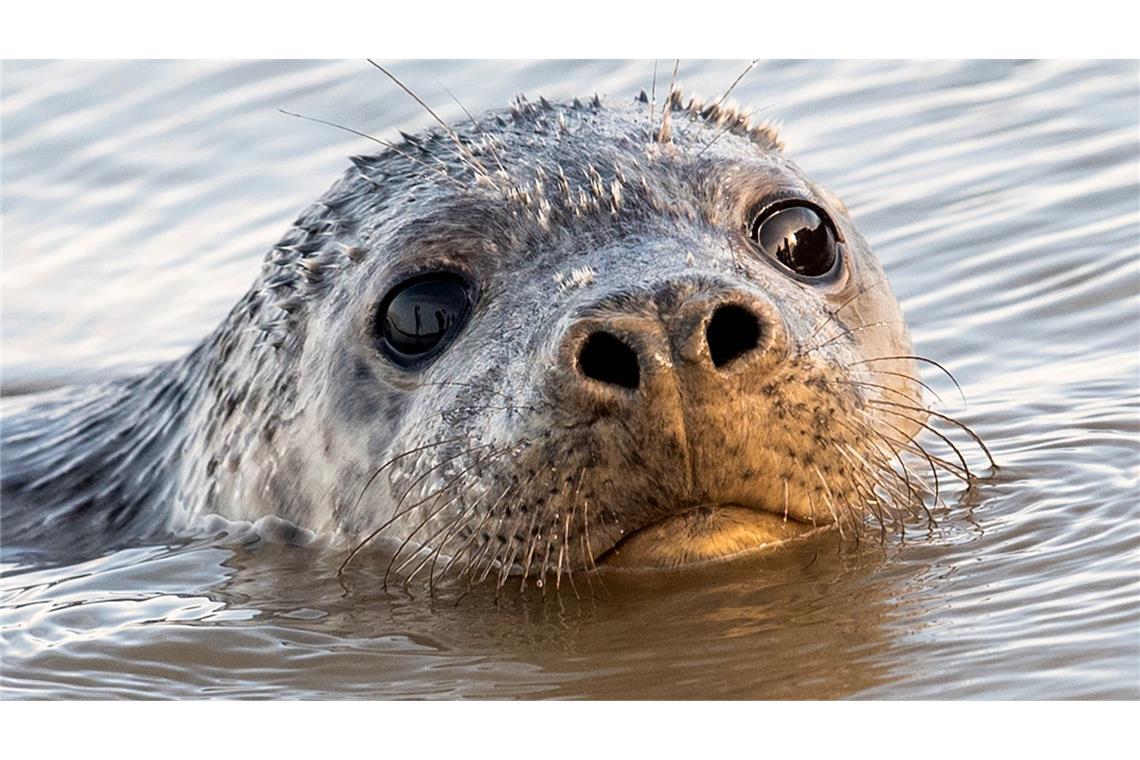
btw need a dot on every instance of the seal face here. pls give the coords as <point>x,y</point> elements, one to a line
<point>559,335</point>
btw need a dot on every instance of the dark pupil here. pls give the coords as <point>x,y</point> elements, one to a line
<point>420,315</point>
<point>799,239</point>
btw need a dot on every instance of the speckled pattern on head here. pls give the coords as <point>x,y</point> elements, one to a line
<point>503,454</point>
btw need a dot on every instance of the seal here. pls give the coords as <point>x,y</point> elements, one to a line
<point>558,336</point>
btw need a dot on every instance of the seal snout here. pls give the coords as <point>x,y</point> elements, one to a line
<point>627,349</point>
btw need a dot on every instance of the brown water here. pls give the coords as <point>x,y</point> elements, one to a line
<point>1002,197</point>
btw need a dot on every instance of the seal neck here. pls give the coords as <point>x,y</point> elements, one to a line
<point>89,467</point>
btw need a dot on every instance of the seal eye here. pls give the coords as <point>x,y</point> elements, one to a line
<point>417,318</point>
<point>798,236</point>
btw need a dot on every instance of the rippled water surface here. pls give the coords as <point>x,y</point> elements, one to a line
<point>1002,197</point>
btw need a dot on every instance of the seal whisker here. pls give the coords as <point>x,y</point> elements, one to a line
<point>933,392</point>
<point>876,386</point>
<point>532,543</point>
<point>888,478</point>
<point>653,92</point>
<point>489,557</point>
<point>488,554</point>
<point>505,566</point>
<point>433,552</point>
<point>827,496</point>
<point>455,529</point>
<point>884,406</point>
<point>376,473</point>
<point>868,495</point>
<point>398,513</point>
<point>484,549</point>
<point>948,419</point>
<point>833,314</point>
<point>932,461</point>
<point>911,496</point>
<point>487,138</point>
<point>851,331</point>
<point>593,565</point>
<point>861,431</point>
<point>390,146</point>
<point>785,479</point>
<point>508,550</point>
<point>963,473</point>
<point>878,478</point>
<point>452,529</point>
<point>552,537</point>
<point>945,464</point>
<point>465,154</point>
<point>570,517</point>
<point>360,546</point>
<point>436,494</point>
<point>461,551</point>
<point>477,529</point>
<point>434,511</point>
<point>922,359</point>
<point>471,567</point>
<point>728,127</point>
<point>857,479</point>
<point>561,554</point>
<point>731,87</point>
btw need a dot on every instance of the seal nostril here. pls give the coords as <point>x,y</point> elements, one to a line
<point>607,359</point>
<point>732,332</point>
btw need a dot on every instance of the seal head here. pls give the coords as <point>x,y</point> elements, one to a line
<point>559,335</point>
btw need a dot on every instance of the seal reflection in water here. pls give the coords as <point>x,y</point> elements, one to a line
<point>553,337</point>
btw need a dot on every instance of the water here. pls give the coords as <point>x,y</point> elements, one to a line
<point>1002,197</point>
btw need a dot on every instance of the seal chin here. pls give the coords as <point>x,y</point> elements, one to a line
<point>705,534</point>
